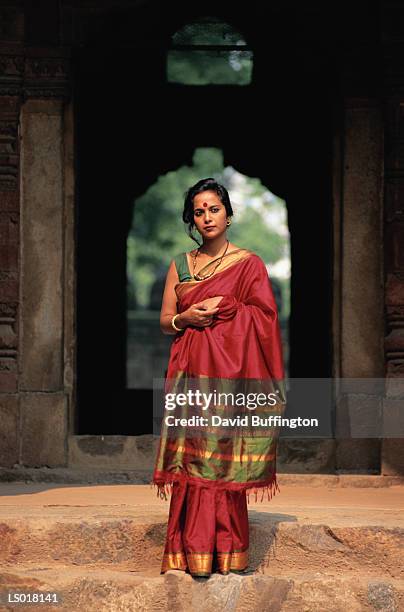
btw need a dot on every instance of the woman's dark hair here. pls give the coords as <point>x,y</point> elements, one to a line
<point>206,184</point>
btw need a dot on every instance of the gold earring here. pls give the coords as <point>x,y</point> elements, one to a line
<point>228,222</point>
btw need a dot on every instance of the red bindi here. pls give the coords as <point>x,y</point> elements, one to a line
<point>205,204</point>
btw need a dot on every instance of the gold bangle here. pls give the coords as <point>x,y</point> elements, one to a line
<point>173,323</point>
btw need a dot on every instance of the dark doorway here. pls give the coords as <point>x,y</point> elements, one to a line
<point>133,126</point>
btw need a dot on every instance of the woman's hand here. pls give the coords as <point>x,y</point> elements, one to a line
<point>200,314</point>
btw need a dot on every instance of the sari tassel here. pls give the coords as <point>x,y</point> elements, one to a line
<point>160,490</point>
<point>163,489</point>
<point>270,490</point>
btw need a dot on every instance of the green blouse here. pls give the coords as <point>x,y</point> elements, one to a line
<point>181,263</point>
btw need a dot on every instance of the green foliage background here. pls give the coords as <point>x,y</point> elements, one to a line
<point>209,66</point>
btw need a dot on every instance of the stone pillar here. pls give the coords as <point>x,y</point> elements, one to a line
<point>393,406</point>
<point>36,338</point>
<point>361,281</point>
<point>43,404</point>
<point>11,78</point>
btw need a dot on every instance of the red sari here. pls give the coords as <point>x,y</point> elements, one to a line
<point>211,474</point>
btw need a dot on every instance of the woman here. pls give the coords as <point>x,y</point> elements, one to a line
<point>219,303</point>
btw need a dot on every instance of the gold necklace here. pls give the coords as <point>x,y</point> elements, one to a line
<point>198,277</point>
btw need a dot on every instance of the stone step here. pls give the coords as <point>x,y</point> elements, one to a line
<point>316,547</point>
<point>136,540</point>
<point>105,589</point>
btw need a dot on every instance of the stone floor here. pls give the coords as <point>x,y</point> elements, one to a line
<point>322,544</point>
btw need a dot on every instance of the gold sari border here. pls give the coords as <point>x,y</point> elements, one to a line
<point>229,260</point>
<point>200,564</point>
<point>222,456</point>
<point>232,561</point>
<point>173,561</point>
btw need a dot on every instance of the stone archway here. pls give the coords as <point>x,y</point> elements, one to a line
<point>39,388</point>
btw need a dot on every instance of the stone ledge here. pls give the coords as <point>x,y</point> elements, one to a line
<point>143,476</point>
<point>134,540</point>
<point>95,589</point>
